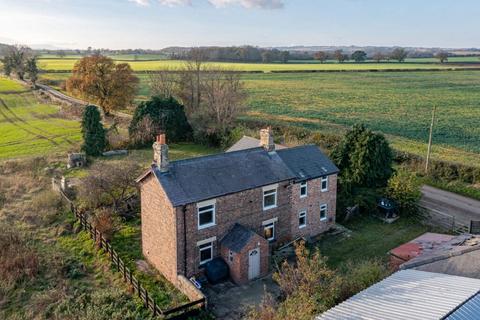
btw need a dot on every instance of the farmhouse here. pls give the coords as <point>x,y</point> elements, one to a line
<point>237,206</point>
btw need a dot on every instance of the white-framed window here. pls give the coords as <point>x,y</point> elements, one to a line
<point>206,214</point>
<point>303,189</point>
<point>302,219</point>
<point>206,252</point>
<point>269,197</point>
<point>324,184</point>
<point>269,231</point>
<point>323,212</point>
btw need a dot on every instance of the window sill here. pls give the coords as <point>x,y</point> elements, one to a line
<point>323,219</point>
<point>302,197</point>
<point>268,208</point>
<point>301,227</point>
<point>206,226</point>
<point>324,190</point>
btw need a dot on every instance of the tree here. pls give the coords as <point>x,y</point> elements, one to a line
<point>359,56</point>
<point>111,86</point>
<point>267,56</point>
<point>159,115</point>
<point>378,56</point>
<point>223,98</point>
<point>15,60</point>
<point>32,70</point>
<point>110,185</point>
<point>340,56</point>
<point>442,56</point>
<point>321,56</point>
<point>93,133</point>
<point>61,54</point>
<point>284,56</point>
<point>364,158</point>
<point>404,189</point>
<point>399,54</point>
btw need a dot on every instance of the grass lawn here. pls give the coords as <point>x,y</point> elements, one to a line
<point>370,238</point>
<point>31,128</point>
<point>67,64</point>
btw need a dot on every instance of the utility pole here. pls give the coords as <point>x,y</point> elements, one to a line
<point>430,138</point>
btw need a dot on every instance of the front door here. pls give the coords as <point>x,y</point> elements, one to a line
<point>253,263</point>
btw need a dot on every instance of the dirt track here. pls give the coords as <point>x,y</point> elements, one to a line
<point>462,208</point>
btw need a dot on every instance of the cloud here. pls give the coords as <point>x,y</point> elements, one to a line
<point>142,3</point>
<point>249,4</point>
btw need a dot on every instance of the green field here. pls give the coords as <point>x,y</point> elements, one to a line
<point>30,128</point>
<point>398,104</point>
<point>115,56</point>
<point>67,64</point>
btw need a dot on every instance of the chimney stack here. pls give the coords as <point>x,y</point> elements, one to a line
<point>266,139</point>
<point>160,152</point>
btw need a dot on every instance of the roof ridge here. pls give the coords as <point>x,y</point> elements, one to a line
<point>216,155</point>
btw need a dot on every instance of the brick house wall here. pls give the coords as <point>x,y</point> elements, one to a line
<point>159,244</point>
<point>245,208</point>
<point>239,266</point>
<point>311,203</point>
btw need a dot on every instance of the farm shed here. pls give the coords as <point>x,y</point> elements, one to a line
<point>412,295</point>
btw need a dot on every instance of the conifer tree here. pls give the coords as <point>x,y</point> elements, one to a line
<point>94,140</point>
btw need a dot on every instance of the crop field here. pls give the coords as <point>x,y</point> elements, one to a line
<point>67,64</point>
<point>116,56</point>
<point>30,128</point>
<point>397,103</point>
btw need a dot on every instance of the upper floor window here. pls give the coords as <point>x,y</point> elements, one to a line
<point>302,219</point>
<point>323,212</point>
<point>303,189</point>
<point>324,184</point>
<point>269,231</point>
<point>206,214</point>
<point>269,197</point>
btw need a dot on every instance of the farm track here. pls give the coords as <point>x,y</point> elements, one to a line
<point>13,122</point>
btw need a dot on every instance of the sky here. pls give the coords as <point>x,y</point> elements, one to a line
<point>155,24</point>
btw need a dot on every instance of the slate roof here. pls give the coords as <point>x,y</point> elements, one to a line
<point>196,179</point>
<point>247,142</point>
<point>307,162</point>
<point>237,238</point>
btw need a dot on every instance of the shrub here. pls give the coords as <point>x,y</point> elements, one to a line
<point>159,114</point>
<point>404,189</point>
<point>105,222</point>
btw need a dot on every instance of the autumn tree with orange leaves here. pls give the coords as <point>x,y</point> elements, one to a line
<point>101,81</point>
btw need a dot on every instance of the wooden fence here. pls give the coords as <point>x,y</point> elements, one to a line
<point>180,312</point>
<point>444,221</point>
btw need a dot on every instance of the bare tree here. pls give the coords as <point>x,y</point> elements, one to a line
<point>378,56</point>
<point>164,83</point>
<point>442,56</point>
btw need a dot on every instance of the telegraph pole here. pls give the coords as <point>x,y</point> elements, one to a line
<point>430,138</point>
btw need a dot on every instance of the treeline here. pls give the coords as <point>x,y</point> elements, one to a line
<point>237,54</point>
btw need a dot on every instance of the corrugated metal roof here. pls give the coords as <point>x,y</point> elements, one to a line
<point>407,295</point>
<point>469,310</point>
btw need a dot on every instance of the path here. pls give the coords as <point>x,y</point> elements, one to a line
<point>462,208</point>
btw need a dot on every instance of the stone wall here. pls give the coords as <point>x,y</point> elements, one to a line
<point>188,288</point>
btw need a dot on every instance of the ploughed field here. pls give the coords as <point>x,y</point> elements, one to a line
<point>31,128</point>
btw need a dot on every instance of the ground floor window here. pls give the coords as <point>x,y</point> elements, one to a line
<point>323,212</point>
<point>302,219</point>
<point>269,231</point>
<point>206,252</point>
